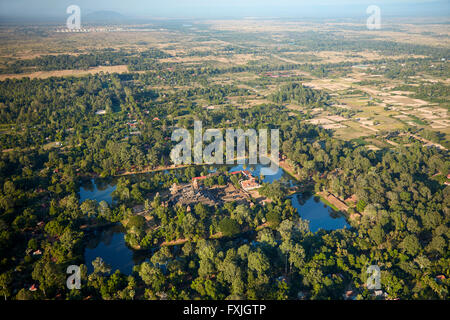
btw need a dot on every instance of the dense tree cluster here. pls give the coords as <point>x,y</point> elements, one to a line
<point>297,93</point>
<point>85,61</point>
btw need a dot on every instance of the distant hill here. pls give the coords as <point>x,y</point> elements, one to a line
<point>104,16</point>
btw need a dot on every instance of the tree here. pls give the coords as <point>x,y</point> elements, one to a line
<point>156,201</point>
<point>115,283</point>
<point>266,236</point>
<point>136,222</point>
<point>229,227</point>
<point>411,245</point>
<point>162,256</point>
<point>241,214</point>
<point>5,282</point>
<point>201,210</point>
<point>361,205</point>
<point>229,270</point>
<point>275,190</point>
<point>297,256</point>
<point>211,289</point>
<point>273,218</point>
<point>221,181</point>
<point>50,275</point>
<point>54,228</point>
<point>9,188</point>
<point>100,267</point>
<point>437,245</point>
<point>104,210</point>
<point>151,276</point>
<point>89,208</point>
<point>198,285</point>
<point>25,294</point>
<point>189,223</point>
<point>258,262</point>
<point>33,244</point>
<point>206,252</point>
<point>136,193</point>
<point>377,234</point>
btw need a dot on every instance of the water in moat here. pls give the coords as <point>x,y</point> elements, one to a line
<point>110,245</point>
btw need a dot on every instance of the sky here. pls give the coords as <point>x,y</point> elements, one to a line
<point>226,8</point>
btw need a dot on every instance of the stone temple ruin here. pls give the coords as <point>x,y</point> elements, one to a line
<point>191,194</point>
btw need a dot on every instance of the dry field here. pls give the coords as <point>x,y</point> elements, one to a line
<point>372,116</point>
<point>238,59</point>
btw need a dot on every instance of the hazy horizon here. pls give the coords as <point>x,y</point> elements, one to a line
<point>50,9</point>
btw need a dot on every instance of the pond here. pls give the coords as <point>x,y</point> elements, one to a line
<point>110,243</point>
<point>309,207</point>
<point>266,173</point>
<point>319,215</point>
<point>98,189</point>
